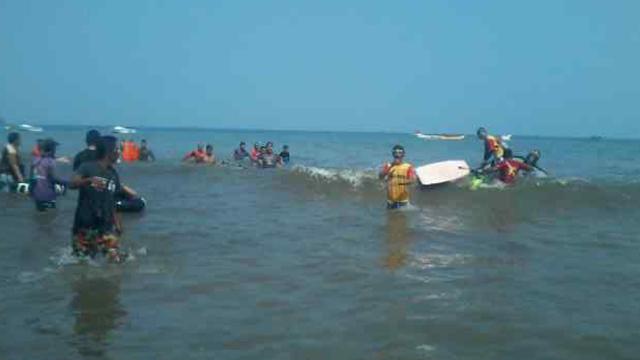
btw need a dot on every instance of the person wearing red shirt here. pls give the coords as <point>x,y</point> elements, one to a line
<point>197,155</point>
<point>509,168</point>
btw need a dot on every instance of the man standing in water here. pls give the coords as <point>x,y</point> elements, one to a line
<point>399,175</point>
<point>88,154</point>
<point>11,167</point>
<point>96,226</point>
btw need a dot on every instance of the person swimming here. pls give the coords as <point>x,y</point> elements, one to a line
<point>196,155</point>
<point>240,153</point>
<point>255,153</point>
<point>508,169</point>
<point>399,175</point>
<point>209,156</point>
<point>284,154</point>
<point>267,159</point>
<point>145,153</point>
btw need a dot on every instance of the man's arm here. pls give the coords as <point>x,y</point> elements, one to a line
<point>15,168</point>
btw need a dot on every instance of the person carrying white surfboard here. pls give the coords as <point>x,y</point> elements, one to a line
<point>399,175</point>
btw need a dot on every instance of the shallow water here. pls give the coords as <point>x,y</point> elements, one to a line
<point>305,262</point>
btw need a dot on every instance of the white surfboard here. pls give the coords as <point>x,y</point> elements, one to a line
<point>442,172</point>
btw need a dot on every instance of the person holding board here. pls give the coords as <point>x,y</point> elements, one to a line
<point>399,175</point>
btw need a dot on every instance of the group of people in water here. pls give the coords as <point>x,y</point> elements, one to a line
<point>97,226</point>
<point>498,165</point>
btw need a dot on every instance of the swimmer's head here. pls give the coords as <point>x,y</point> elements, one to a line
<point>209,149</point>
<point>482,133</point>
<point>143,143</point>
<point>398,152</point>
<point>533,157</point>
<point>508,153</point>
<point>269,144</point>
<point>242,144</point>
<point>200,147</point>
<point>107,148</point>
<point>285,147</point>
<point>92,137</point>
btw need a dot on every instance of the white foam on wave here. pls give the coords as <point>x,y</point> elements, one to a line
<point>353,177</point>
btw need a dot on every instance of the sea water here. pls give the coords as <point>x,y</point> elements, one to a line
<point>305,262</point>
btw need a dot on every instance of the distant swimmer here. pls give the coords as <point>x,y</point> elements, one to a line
<point>399,175</point>
<point>196,155</point>
<point>240,153</point>
<point>96,226</point>
<point>209,156</point>
<point>44,178</point>
<point>267,158</point>
<point>88,154</point>
<point>493,148</point>
<point>145,153</point>
<point>284,155</point>
<point>11,166</point>
<point>255,153</point>
<point>507,170</point>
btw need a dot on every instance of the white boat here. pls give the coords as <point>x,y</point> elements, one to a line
<point>123,130</point>
<point>439,136</point>
<point>23,127</point>
<point>506,137</point>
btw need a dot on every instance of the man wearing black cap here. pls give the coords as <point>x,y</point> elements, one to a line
<point>96,225</point>
<point>88,154</point>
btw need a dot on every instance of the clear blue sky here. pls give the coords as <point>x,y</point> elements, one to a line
<point>547,67</point>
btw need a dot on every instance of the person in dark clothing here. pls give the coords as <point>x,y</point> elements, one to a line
<point>88,154</point>
<point>11,167</point>
<point>96,225</point>
<point>44,178</point>
<point>284,155</point>
<point>145,153</point>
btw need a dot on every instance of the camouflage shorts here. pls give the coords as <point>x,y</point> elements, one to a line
<point>91,243</point>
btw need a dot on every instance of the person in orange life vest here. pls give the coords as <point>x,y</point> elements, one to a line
<point>493,148</point>
<point>509,168</point>
<point>399,175</point>
<point>197,155</point>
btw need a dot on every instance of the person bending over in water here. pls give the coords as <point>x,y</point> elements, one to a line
<point>508,169</point>
<point>284,155</point>
<point>44,178</point>
<point>240,153</point>
<point>493,148</point>
<point>532,160</point>
<point>145,153</point>
<point>209,156</point>
<point>196,155</point>
<point>96,225</point>
<point>267,158</point>
<point>11,167</point>
<point>399,175</point>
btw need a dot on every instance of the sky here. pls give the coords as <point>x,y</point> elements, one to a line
<point>546,67</point>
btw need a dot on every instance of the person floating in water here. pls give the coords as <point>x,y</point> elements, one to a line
<point>532,159</point>
<point>399,175</point>
<point>284,155</point>
<point>255,153</point>
<point>11,167</point>
<point>145,153</point>
<point>267,159</point>
<point>96,226</point>
<point>493,148</point>
<point>240,153</point>
<point>196,155</point>
<point>88,154</point>
<point>507,170</point>
<point>209,156</point>
<point>44,179</point>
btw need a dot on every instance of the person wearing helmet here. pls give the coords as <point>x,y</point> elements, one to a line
<point>507,170</point>
<point>44,178</point>
<point>398,175</point>
<point>493,148</point>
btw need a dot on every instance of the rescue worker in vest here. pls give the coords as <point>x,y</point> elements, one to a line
<point>399,175</point>
<point>493,149</point>
<point>507,170</point>
<point>196,156</point>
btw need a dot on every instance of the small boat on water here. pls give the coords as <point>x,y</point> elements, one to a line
<point>23,127</point>
<point>123,130</point>
<point>439,136</point>
<point>506,137</point>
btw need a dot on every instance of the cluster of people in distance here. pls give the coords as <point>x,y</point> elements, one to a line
<point>498,164</point>
<point>201,155</point>
<point>263,156</point>
<point>130,151</point>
